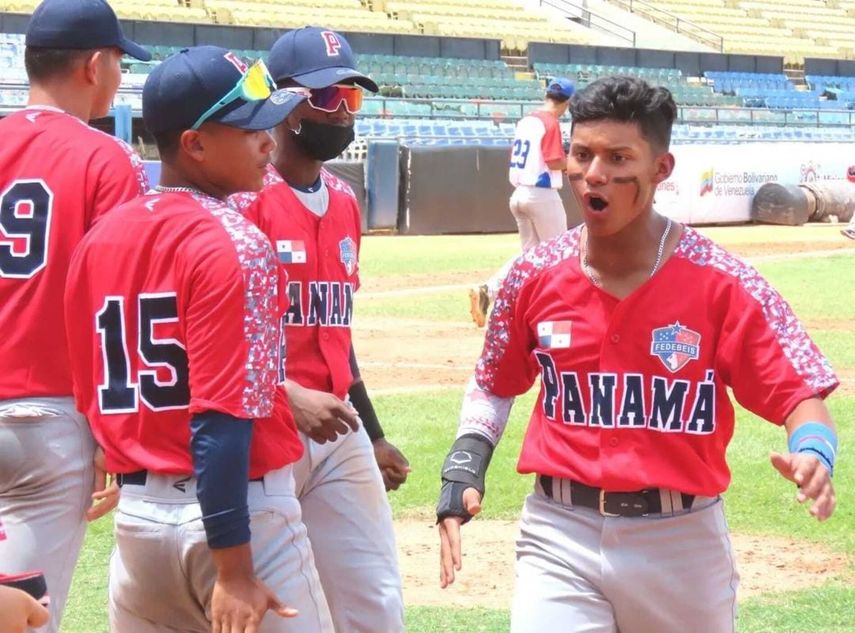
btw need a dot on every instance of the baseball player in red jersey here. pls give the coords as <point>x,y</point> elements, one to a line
<point>636,327</point>
<point>173,307</point>
<point>536,171</point>
<point>57,177</point>
<point>313,220</point>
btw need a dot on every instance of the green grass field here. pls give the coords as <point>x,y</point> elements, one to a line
<point>422,424</point>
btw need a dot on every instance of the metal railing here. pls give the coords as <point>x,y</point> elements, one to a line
<point>591,20</point>
<point>500,112</point>
<point>674,22</point>
<point>510,111</point>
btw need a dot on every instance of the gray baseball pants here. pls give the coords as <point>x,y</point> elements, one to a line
<point>46,479</point>
<point>580,572</point>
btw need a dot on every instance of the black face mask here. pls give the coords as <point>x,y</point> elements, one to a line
<point>323,141</point>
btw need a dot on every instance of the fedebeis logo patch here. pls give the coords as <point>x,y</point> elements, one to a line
<point>675,345</point>
<point>554,334</point>
<point>347,254</point>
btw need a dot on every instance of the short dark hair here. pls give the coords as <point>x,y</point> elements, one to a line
<point>44,63</point>
<point>168,143</point>
<point>628,100</point>
<point>557,97</point>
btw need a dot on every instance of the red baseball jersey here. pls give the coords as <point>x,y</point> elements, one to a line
<point>173,305</point>
<point>321,257</point>
<point>633,392</point>
<point>57,177</point>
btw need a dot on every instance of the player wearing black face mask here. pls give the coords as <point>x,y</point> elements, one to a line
<point>313,219</point>
<point>323,141</point>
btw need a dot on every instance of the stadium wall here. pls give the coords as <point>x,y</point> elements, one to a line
<point>691,63</point>
<point>832,67</point>
<point>460,190</point>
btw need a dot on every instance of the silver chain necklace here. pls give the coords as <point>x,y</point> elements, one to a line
<point>163,189</point>
<point>596,281</point>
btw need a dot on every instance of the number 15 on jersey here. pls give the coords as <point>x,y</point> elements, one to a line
<point>120,393</point>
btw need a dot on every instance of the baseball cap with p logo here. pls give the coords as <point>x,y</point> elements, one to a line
<point>209,83</point>
<point>315,57</point>
<point>79,24</point>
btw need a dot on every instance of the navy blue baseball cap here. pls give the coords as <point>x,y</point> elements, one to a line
<point>560,87</point>
<point>79,24</point>
<point>315,57</point>
<point>189,83</point>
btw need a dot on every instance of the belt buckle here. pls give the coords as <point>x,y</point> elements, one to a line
<point>603,505</point>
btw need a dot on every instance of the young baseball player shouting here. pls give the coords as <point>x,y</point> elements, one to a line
<point>173,307</point>
<point>636,327</point>
<point>58,176</point>
<point>313,220</point>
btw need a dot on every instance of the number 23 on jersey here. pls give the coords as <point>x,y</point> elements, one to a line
<point>519,154</point>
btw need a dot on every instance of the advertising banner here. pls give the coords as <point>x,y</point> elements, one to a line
<point>715,183</point>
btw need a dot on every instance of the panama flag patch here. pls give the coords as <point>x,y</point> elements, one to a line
<point>291,251</point>
<point>554,334</point>
<point>675,345</point>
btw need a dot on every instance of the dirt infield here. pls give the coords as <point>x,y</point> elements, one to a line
<point>407,355</point>
<point>487,577</point>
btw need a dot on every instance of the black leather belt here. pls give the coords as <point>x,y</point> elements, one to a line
<point>611,504</point>
<point>139,478</point>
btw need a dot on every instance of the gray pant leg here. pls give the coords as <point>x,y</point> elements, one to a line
<point>46,478</point>
<point>558,572</point>
<point>347,514</point>
<point>162,574</point>
<point>671,574</point>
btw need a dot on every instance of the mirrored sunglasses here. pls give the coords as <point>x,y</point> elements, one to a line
<point>255,84</point>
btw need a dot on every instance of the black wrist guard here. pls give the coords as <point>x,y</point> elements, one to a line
<point>464,467</point>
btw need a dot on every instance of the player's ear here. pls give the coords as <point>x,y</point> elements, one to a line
<point>291,123</point>
<point>664,167</point>
<point>191,144</point>
<point>92,66</point>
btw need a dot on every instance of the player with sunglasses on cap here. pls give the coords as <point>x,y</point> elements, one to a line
<point>173,308</point>
<point>313,219</point>
<point>58,176</point>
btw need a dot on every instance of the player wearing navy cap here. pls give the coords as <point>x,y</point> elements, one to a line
<point>173,307</point>
<point>637,328</point>
<point>313,219</point>
<point>537,166</point>
<point>58,176</point>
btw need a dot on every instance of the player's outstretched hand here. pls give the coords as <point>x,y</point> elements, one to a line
<point>320,415</point>
<point>449,538</point>
<point>393,465</point>
<point>20,611</point>
<point>811,477</point>
<point>238,605</point>
<point>104,497</point>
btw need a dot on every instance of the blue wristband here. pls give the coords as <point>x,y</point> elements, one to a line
<point>819,440</point>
